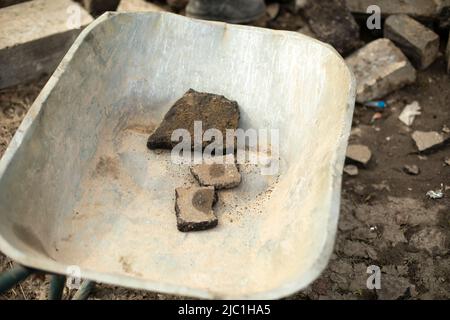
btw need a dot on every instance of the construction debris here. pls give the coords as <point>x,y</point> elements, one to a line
<point>436,194</point>
<point>351,170</point>
<point>411,169</point>
<point>33,43</point>
<point>380,68</point>
<point>420,44</point>
<point>359,153</point>
<point>221,172</point>
<point>409,113</point>
<point>427,140</point>
<point>211,111</point>
<point>333,23</point>
<point>193,208</point>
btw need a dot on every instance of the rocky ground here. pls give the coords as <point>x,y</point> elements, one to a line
<point>386,220</point>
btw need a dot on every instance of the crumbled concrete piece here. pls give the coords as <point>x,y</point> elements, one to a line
<point>34,37</point>
<point>416,8</point>
<point>418,43</point>
<point>221,173</point>
<point>193,208</point>
<point>380,68</point>
<point>138,6</point>
<point>214,112</point>
<point>359,153</point>
<point>333,23</point>
<point>447,161</point>
<point>427,140</point>
<point>411,169</point>
<point>436,194</point>
<point>351,170</point>
<point>409,113</point>
<point>431,239</point>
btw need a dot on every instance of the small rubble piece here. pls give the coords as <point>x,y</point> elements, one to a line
<point>411,169</point>
<point>409,113</point>
<point>419,43</point>
<point>447,161</point>
<point>436,194</point>
<point>333,23</point>
<point>193,208</point>
<point>272,10</point>
<point>427,140</point>
<point>359,153</point>
<point>220,173</point>
<point>214,112</point>
<point>380,68</point>
<point>351,170</point>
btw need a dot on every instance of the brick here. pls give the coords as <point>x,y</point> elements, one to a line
<point>34,38</point>
<point>380,68</point>
<point>418,43</point>
<point>138,6</point>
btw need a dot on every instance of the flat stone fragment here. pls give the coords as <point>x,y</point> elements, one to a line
<point>222,174</point>
<point>351,170</point>
<point>418,43</point>
<point>213,111</point>
<point>333,23</point>
<point>380,68</point>
<point>359,153</point>
<point>34,37</point>
<point>193,208</point>
<point>411,169</point>
<point>427,140</point>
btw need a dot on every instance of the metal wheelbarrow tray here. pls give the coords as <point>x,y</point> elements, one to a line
<point>79,187</point>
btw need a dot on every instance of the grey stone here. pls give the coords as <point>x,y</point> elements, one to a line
<point>411,169</point>
<point>34,37</point>
<point>418,43</point>
<point>213,111</point>
<point>221,174</point>
<point>380,68</point>
<point>431,239</point>
<point>333,23</point>
<point>351,170</point>
<point>359,153</point>
<point>427,140</point>
<point>193,208</point>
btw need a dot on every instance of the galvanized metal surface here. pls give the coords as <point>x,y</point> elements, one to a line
<point>79,187</point>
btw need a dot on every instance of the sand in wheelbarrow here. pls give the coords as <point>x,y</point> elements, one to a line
<point>214,111</point>
<point>193,207</point>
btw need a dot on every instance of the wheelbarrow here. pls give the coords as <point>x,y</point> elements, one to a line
<point>79,188</point>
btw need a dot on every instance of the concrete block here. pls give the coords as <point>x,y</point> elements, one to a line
<point>34,37</point>
<point>418,43</point>
<point>380,68</point>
